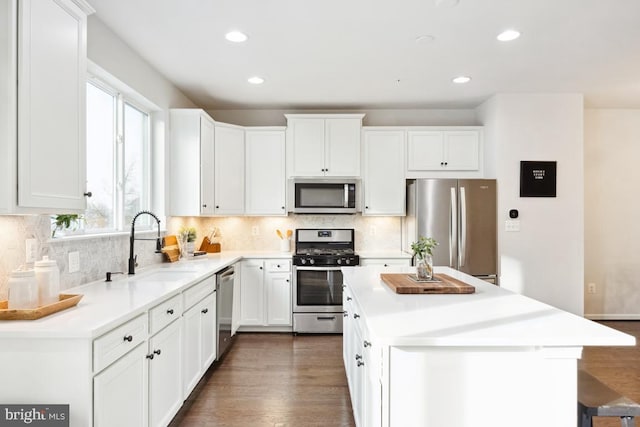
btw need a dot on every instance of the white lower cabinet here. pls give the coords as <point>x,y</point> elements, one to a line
<point>265,293</point>
<point>165,375</point>
<point>120,392</point>
<point>385,262</point>
<point>199,341</point>
<point>362,365</point>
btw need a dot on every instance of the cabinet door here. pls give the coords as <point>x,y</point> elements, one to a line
<point>425,150</point>
<point>278,299</point>
<point>120,392</point>
<point>229,170</point>
<point>165,375</point>
<point>51,105</point>
<point>208,336</point>
<point>342,147</point>
<point>384,177</point>
<point>462,150</point>
<point>266,173</point>
<point>252,293</point>
<point>207,166</point>
<point>191,349</point>
<point>307,146</point>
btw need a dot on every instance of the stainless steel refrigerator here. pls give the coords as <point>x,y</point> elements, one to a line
<point>461,215</point>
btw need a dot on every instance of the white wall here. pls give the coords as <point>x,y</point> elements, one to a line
<point>612,209</point>
<point>545,260</point>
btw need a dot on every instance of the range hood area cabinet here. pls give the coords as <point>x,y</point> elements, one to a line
<point>206,165</point>
<point>43,62</point>
<point>323,145</point>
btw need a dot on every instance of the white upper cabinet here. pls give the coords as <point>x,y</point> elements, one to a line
<point>265,171</point>
<point>320,145</point>
<point>191,162</point>
<point>229,169</point>
<point>383,171</point>
<point>44,48</point>
<point>443,150</point>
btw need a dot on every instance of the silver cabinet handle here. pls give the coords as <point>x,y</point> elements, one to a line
<point>367,343</point>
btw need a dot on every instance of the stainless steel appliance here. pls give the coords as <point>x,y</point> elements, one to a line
<point>461,216</point>
<point>317,279</point>
<point>337,196</point>
<point>224,309</point>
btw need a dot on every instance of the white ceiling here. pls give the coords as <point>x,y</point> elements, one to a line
<point>351,53</point>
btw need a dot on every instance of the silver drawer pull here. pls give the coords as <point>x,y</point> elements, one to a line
<point>326,317</point>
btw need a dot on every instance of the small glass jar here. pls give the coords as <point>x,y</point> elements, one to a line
<point>424,268</point>
<point>23,290</point>
<point>48,278</point>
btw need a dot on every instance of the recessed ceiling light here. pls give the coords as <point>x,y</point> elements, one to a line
<point>255,80</point>
<point>236,37</point>
<point>508,35</point>
<point>425,39</point>
<point>462,79</point>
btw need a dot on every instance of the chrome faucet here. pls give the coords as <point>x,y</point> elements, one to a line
<point>133,258</point>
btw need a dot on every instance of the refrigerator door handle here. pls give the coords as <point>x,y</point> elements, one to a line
<point>453,229</point>
<point>463,227</point>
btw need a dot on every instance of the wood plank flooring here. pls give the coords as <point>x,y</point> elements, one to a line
<point>276,380</point>
<point>281,380</point>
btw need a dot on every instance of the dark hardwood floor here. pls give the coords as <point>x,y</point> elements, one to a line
<point>275,380</point>
<point>281,380</point>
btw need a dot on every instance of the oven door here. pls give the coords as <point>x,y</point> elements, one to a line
<point>317,290</point>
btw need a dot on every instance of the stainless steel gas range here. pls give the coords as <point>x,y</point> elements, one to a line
<point>317,279</point>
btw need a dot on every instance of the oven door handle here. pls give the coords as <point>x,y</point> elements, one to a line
<point>318,268</point>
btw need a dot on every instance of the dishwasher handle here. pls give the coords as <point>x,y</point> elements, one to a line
<point>229,271</point>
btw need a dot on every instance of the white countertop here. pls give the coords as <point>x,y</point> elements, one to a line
<point>491,316</point>
<point>107,304</point>
<point>384,254</point>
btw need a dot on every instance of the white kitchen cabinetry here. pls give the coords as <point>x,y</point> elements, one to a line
<point>229,169</point>
<point>265,293</point>
<point>42,105</point>
<point>165,375</point>
<point>321,145</point>
<point>265,171</point>
<point>443,150</point>
<point>383,174</point>
<point>191,160</point>
<point>199,341</point>
<point>120,392</point>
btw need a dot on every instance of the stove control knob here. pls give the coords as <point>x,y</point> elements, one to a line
<point>339,261</point>
<point>348,261</point>
<point>311,261</point>
<point>303,261</point>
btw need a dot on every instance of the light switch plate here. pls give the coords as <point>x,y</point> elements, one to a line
<point>74,262</point>
<point>512,225</point>
<point>31,249</point>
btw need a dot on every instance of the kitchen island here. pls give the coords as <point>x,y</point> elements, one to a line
<point>491,358</point>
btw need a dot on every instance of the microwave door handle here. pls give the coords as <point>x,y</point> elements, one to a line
<point>346,196</point>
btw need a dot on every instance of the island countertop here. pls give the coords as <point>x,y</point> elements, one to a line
<point>492,316</point>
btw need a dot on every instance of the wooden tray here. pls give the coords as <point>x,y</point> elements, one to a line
<point>66,301</point>
<point>405,284</point>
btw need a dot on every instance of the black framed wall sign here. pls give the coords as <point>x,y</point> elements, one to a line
<point>537,179</point>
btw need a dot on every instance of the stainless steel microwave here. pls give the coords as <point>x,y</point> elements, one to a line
<point>324,196</point>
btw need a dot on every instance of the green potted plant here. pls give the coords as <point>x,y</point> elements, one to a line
<point>423,253</point>
<point>66,222</point>
<point>187,239</point>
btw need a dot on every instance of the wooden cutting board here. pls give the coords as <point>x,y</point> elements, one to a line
<point>404,284</point>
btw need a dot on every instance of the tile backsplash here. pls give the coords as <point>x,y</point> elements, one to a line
<point>99,254</point>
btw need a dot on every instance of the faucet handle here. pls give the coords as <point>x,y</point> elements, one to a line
<point>135,259</point>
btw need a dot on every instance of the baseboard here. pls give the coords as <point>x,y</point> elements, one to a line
<point>591,316</point>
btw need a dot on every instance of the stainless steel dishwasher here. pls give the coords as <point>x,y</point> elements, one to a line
<point>224,309</point>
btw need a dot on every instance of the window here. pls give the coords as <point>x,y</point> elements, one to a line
<point>118,160</point>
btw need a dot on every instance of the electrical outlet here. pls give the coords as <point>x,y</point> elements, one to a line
<point>591,288</point>
<point>74,262</point>
<point>31,249</point>
<point>255,231</point>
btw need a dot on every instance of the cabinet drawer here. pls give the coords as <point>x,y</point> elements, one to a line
<point>199,291</point>
<point>278,265</point>
<point>385,262</point>
<point>119,341</point>
<point>164,313</point>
